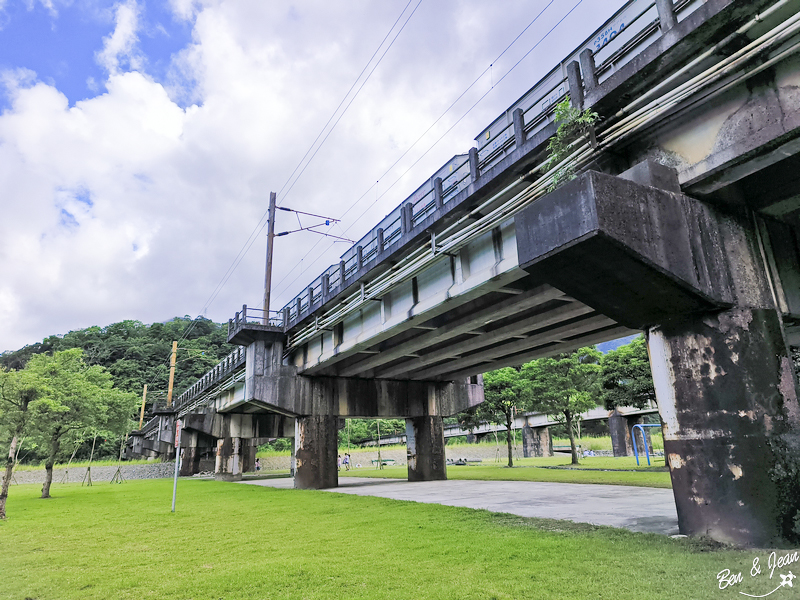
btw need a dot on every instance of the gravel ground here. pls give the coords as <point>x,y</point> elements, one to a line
<point>154,470</point>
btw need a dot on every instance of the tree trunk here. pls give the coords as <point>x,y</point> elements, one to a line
<point>55,444</point>
<point>571,433</point>
<point>508,439</point>
<point>7,477</point>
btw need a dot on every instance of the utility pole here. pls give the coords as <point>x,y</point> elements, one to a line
<point>270,238</point>
<point>171,372</point>
<point>271,235</point>
<point>141,414</point>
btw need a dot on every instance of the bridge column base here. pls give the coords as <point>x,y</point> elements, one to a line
<point>231,458</point>
<point>190,457</point>
<point>316,441</point>
<point>726,393</point>
<point>621,428</point>
<point>536,442</point>
<point>425,449</point>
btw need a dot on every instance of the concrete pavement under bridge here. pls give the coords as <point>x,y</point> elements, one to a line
<point>682,222</point>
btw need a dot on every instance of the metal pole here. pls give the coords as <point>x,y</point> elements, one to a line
<point>141,414</point>
<point>171,372</point>
<point>175,481</point>
<point>380,461</point>
<point>268,273</point>
<point>177,462</point>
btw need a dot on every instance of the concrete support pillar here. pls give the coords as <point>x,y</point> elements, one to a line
<point>536,441</point>
<point>190,462</point>
<point>727,397</point>
<point>316,440</point>
<point>229,465</point>
<point>621,428</point>
<point>620,435</point>
<point>472,438</point>
<point>425,449</point>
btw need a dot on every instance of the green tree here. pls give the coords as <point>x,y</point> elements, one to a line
<point>627,379</point>
<point>564,386</point>
<point>73,398</point>
<point>136,354</point>
<point>503,391</point>
<point>17,391</point>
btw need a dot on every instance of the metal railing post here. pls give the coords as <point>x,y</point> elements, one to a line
<point>437,193</point>
<point>575,84</point>
<point>519,128</point>
<point>473,164</point>
<point>589,69</point>
<point>666,15</point>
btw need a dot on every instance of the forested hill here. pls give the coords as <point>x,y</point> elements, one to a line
<point>136,354</point>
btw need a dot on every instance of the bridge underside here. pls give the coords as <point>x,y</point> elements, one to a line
<point>507,324</point>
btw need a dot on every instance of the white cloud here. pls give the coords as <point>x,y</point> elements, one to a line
<point>127,205</point>
<point>120,46</point>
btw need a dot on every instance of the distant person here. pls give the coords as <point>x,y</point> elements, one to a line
<point>339,463</point>
<point>346,462</point>
<point>258,464</point>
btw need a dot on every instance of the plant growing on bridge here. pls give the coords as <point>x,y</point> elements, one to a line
<point>573,124</point>
<point>564,386</point>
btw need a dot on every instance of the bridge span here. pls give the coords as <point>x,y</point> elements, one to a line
<point>682,221</point>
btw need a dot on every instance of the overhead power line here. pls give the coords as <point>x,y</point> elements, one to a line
<point>262,222</point>
<point>479,77</point>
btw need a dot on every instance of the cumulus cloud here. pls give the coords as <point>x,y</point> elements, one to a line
<point>134,203</point>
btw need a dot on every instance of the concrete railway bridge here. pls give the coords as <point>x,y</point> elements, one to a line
<point>683,222</point>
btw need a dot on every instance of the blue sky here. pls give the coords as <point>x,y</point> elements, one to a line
<point>60,43</point>
<point>139,140</point>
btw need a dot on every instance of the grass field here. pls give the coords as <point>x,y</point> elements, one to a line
<point>237,541</point>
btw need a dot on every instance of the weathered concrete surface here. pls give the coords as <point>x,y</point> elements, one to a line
<point>286,391</point>
<point>726,394</point>
<point>699,278</point>
<point>637,254</point>
<point>536,441</point>
<point>197,453</point>
<point>634,508</point>
<point>621,429</point>
<point>425,453</point>
<point>315,445</point>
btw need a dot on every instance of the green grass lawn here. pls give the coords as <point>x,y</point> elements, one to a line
<point>238,541</point>
<point>621,471</point>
